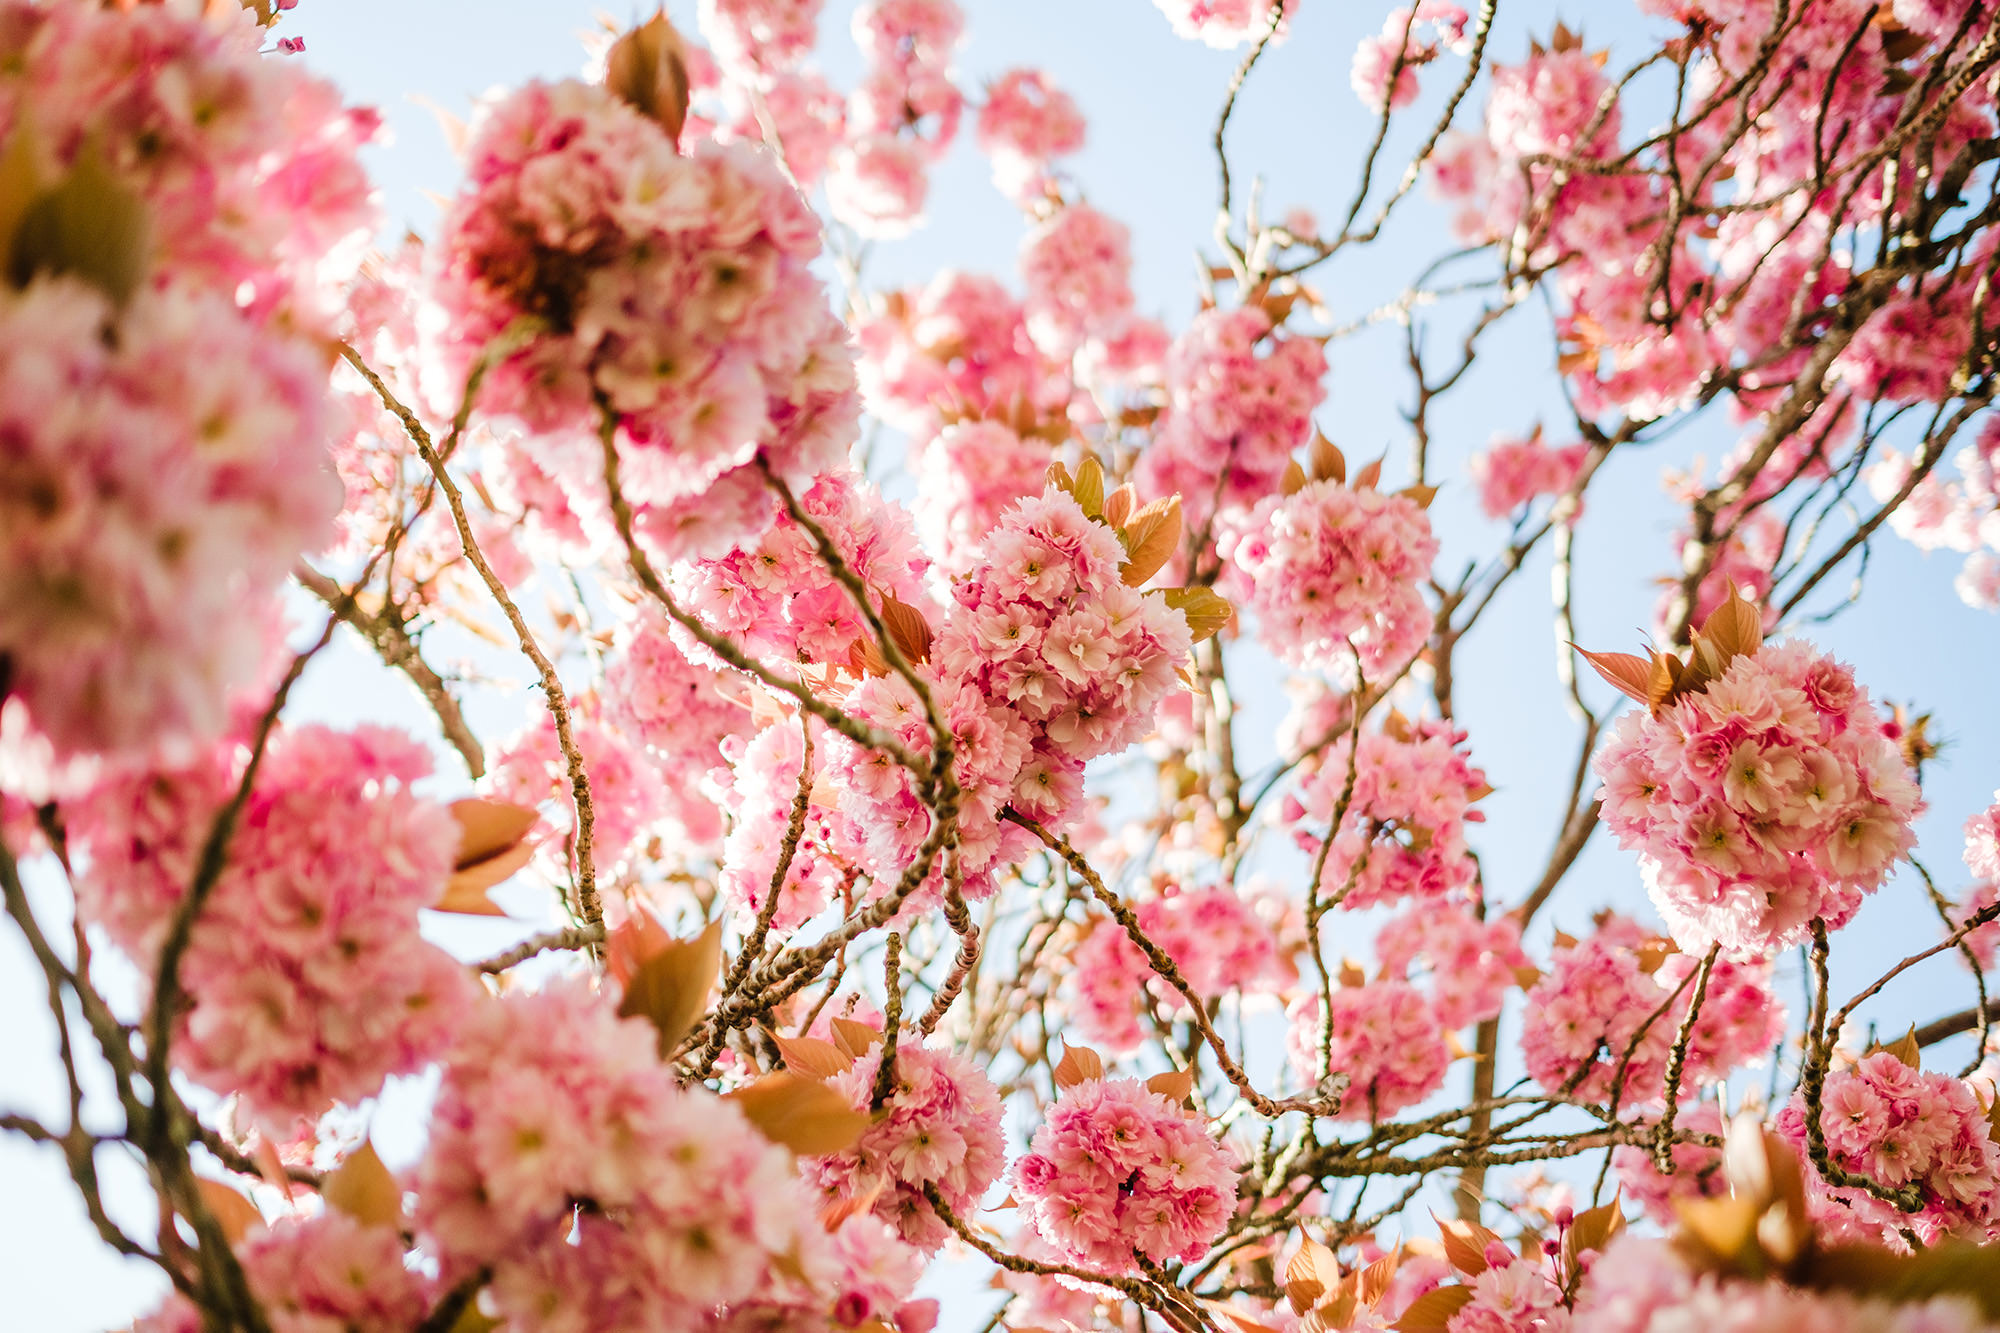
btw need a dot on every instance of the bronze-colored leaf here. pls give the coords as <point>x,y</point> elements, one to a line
<point>90,225</point>
<point>1432,1311</point>
<point>1904,1048</point>
<point>1352,974</point>
<point>1293,480</point>
<point>474,1320</point>
<point>1206,610</point>
<point>1120,504</point>
<point>1653,952</point>
<point>1079,1064</point>
<point>1151,538</point>
<point>492,845</point>
<point>800,1112</point>
<point>1465,1244</point>
<point>1421,496</point>
<point>1310,1274</point>
<point>1328,463</point>
<point>908,628</point>
<point>1089,489</point>
<point>1591,1230</point>
<point>1624,672</point>
<point>1527,976</point>
<point>810,1055</point>
<point>1375,1278</point>
<point>362,1188</point>
<point>1058,477</point>
<point>234,1213</point>
<point>465,891</point>
<point>670,990</point>
<point>1664,680</point>
<point>1336,1312</point>
<point>20,178</point>
<point>647,67</point>
<point>1242,1322</point>
<point>854,1039</point>
<point>1367,477</point>
<point>1993,1119</point>
<point>1176,1085</point>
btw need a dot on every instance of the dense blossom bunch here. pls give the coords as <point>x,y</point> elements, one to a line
<point>1078,269</point>
<point>1644,1285</point>
<point>1118,1170</point>
<point>1240,397</point>
<point>1697,1167</point>
<point>1223,23</point>
<point>629,795</point>
<point>1385,1037</point>
<point>309,982</point>
<point>1469,962</point>
<point>679,712</point>
<point>939,1126</point>
<point>1213,936</point>
<point>1902,1128</point>
<point>759,37</point>
<point>590,261</point>
<point>1332,574</point>
<point>777,599</point>
<point>1403,816</point>
<point>903,116</point>
<point>957,348</point>
<point>1515,1296</point>
<point>320,1273</point>
<point>1767,799</point>
<point>1512,473</point>
<point>1607,1014</point>
<point>1410,38</point>
<point>145,505</point>
<point>549,1102</point>
<point>968,474</point>
<point>764,780</point>
<point>1026,123</point>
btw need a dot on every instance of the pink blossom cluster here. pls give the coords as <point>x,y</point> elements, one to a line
<point>867,1270</point>
<point>764,782</point>
<point>591,262</point>
<point>1077,266</point>
<point>1469,962</point>
<point>1511,473</point>
<point>1398,50</point>
<point>968,474</point>
<point>1386,1038</point>
<point>1240,398</point>
<point>903,115</point>
<point>1982,857</point>
<point>1902,1127</point>
<point>776,599</point>
<point>679,713</point>
<point>629,795</point>
<point>1960,514</point>
<point>308,979</point>
<point>315,1274</point>
<point>1026,123</point>
<point>149,508</point>
<point>1118,1171</point>
<point>567,1162</point>
<point>759,39</point>
<point>1641,1284</point>
<point>1697,1172</point>
<point>1767,799</point>
<point>1402,826</point>
<point>1214,937</point>
<point>939,1126</point>
<point>1606,1015</point>
<point>1223,23</point>
<point>1332,574</point>
<point>955,349</point>
<point>1514,1296</point>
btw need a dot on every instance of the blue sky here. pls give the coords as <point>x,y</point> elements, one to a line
<point>1151,100</point>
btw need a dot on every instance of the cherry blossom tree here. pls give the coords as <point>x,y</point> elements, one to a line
<point>896,874</point>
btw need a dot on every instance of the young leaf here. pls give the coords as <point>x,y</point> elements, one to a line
<point>671,988</point>
<point>1904,1049</point>
<point>488,828</point>
<point>1312,1272</point>
<point>1175,1085</point>
<point>1205,609</point>
<point>1328,463</point>
<point>1079,1064</point>
<point>1119,505</point>
<point>1666,678</point>
<point>1432,1311</point>
<point>810,1055</point>
<point>363,1189</point>
<point>854,1039</point>
<point>90,225</point>
<point>233,1213</point>
<point>909,629</point>
<point>1465,1244</point>
<point>1421,496</point>
<point>647,67</point>
<point>1293,480</point>
<point>1151,537</point>
<point>1375,1278</point>
<point>1058,477</point>
<point>1089,488</point>
<point>1734,628</point>
<point>1624,672</point>
<point>1591,1230</point>
<point>1368,476</point>
<point>20,179</point>
<point>801,1113</point>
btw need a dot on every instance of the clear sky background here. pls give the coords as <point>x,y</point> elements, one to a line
<point>1151,100</point>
